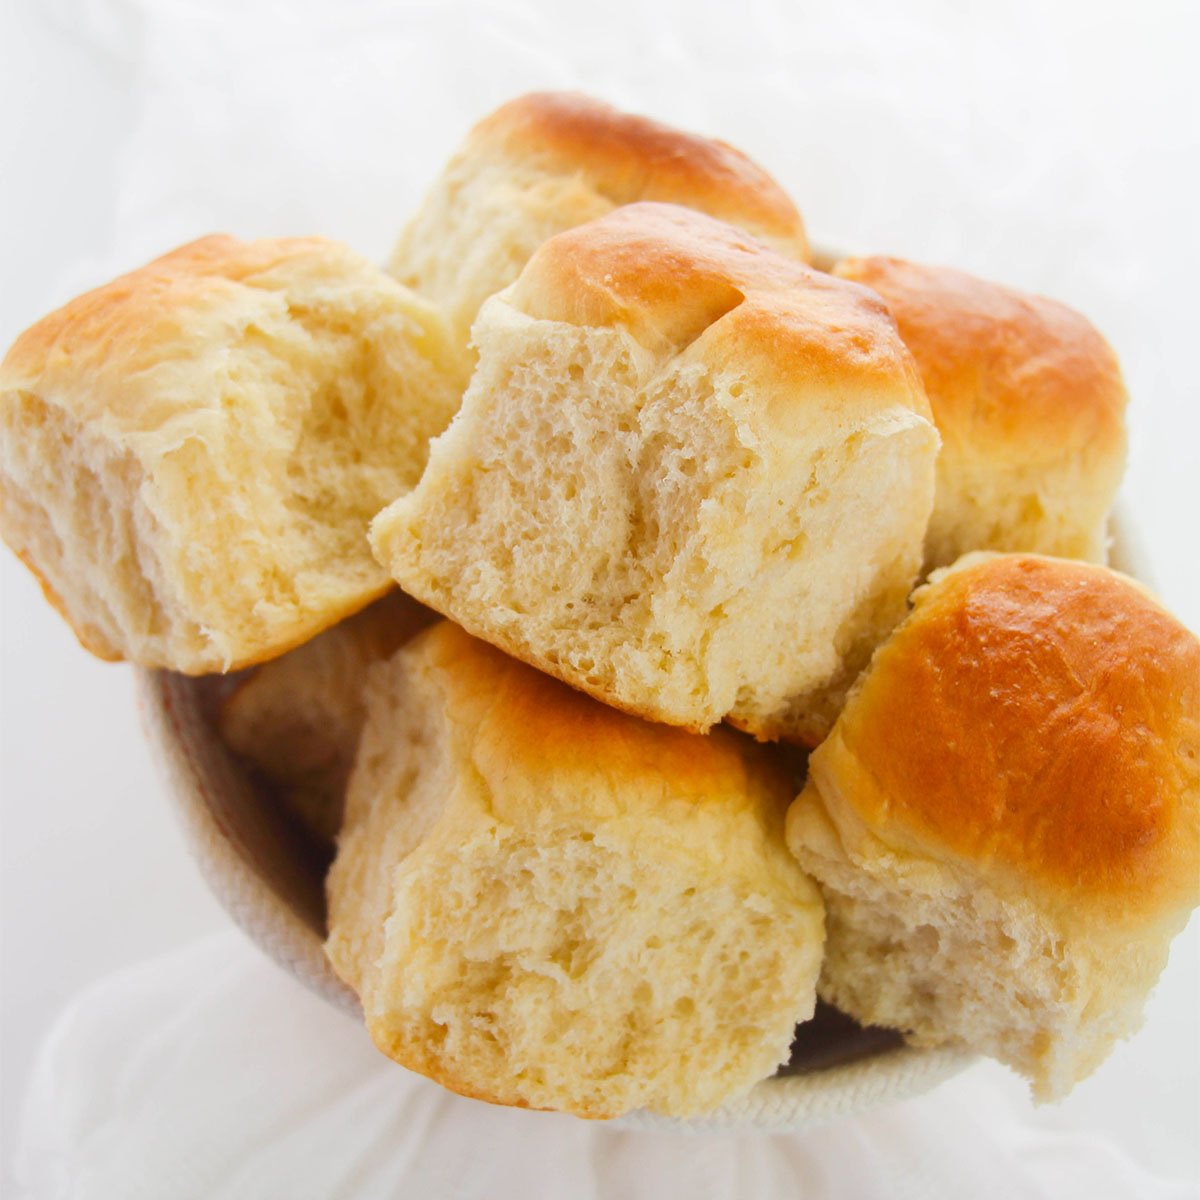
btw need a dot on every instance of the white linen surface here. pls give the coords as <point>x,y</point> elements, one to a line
<point>209,1073</point>
<point>1053,146</point>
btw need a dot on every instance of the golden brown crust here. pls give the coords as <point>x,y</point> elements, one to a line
<point>416,1058</point>
<point>1005,371</point>
<point>546,732</point>
<point>1037,719</point>
<point>144,310</point>
<point>671,274</point>
<point>628,158</point>
<point>97,316</point>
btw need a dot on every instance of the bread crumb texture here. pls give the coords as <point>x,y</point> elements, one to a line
<point>689,476</point>
<point>190,455</point>
<point>546,903</point>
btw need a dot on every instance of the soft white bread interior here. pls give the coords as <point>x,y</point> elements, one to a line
<point>549,161</point>
<point>689,476</point>
<point>1029,400</point>
<point>297,719</point>
<point>1005,821</point>
<point>189,456</point>
<point>546,903</point>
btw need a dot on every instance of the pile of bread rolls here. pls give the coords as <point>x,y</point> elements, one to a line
<point>683,500</point>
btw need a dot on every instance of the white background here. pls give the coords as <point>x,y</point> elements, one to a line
<point>1052,146</point>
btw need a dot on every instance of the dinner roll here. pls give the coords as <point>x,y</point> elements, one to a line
<point>189,456</point>
<point>296,719</point>
<point>689,476</point>
<point>1030,404</point>
<point>546,903</point>
<point>1005,821</point>
<point>547,162</point>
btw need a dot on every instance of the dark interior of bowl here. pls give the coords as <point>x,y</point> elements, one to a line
<point>292,863</point>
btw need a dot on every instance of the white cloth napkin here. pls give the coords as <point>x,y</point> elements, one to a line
<point>209,1073</point>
